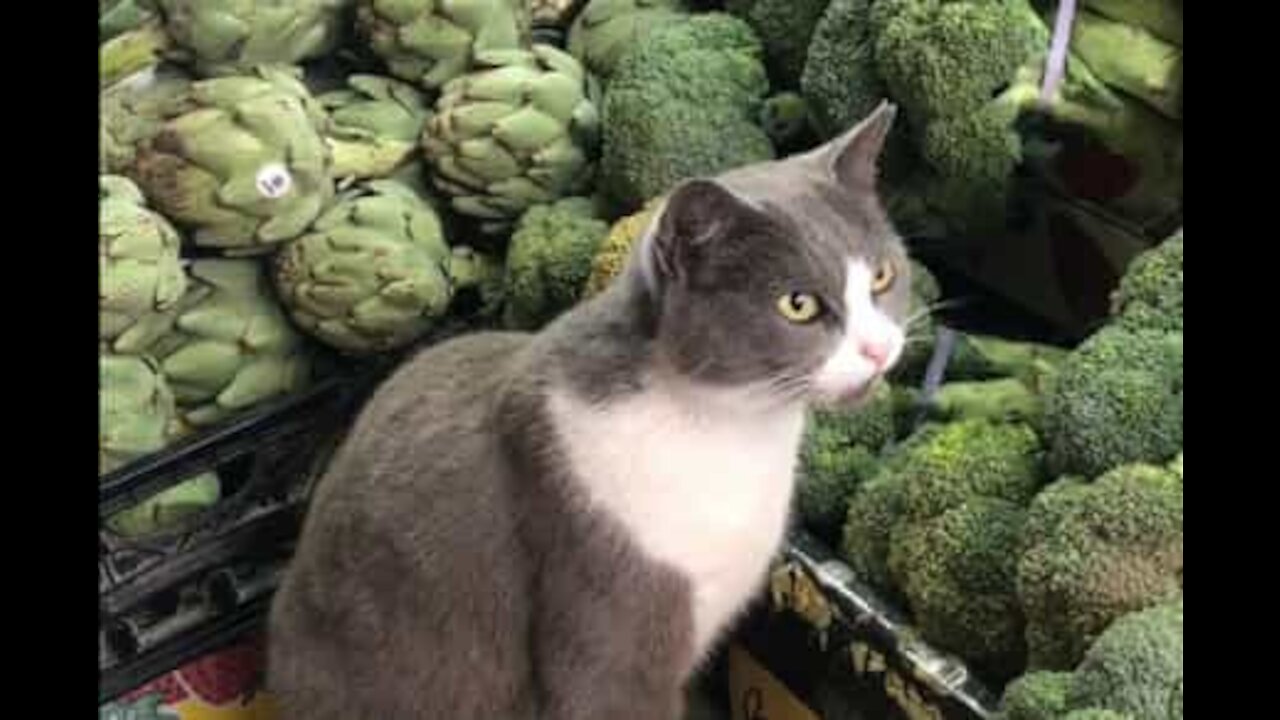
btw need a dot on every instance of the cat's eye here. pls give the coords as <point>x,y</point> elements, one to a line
<point>799,307</point>
<point>886,273</point>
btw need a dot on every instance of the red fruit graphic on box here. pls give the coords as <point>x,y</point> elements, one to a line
<point>167,687</point>
<point>229,675</point>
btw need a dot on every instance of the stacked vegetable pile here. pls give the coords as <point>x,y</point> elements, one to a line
<point>286,181</point>
<point>1028,513</point>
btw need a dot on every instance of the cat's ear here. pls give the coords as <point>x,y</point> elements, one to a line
<point>853,159</point>
<point>694,214</point>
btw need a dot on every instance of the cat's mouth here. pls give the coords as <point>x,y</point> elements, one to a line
<point>849,397</point>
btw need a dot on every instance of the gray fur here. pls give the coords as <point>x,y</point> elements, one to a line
<point>450,568</point>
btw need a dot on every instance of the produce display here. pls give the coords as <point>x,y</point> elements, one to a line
<point>1031,507</point>
<point>292,185</point>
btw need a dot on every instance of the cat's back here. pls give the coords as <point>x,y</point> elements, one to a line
<point>408,558</point>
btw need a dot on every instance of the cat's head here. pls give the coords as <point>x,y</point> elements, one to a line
<point>784,276</point>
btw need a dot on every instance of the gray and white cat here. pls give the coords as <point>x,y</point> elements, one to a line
<point>560,526</point>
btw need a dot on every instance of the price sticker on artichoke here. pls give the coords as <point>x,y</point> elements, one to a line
<point>274,181</point>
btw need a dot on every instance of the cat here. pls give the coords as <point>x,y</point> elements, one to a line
<point>561,525</point>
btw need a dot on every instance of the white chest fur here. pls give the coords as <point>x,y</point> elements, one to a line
<point>706,493</point>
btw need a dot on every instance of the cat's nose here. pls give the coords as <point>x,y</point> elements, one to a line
<point>876,352</point>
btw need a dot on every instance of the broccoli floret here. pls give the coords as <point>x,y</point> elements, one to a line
<point>967,72</point>
<point>1001,400</point>
<point>840,80</point>
<point>838,454</point>
<point>1135,668</point>
<point>785,28</point>
<point>549,260</point>
<point>785,119</point>
<point>1036,696</point>
<point>683,102</point>
<point>604,29</point>
<point>873,509</point>
<point>1116,399</point>
<point>1096,714</point>
<point>947,465</point>
<point>1175,466</point>
<point>958,573</point>
<point>1150,293</point>
<point>1092,552</point>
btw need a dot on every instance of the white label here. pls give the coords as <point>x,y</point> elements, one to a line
<point>274,181</point>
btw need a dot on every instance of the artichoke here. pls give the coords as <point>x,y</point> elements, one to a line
<point>222,37</point>
<point>371,274</point>
<point>239,159</point>
<point>606,28</point>
<point>167,507</point>
<point>135,409</point>
<point>519,131</point>
<point>140,275</point>
<point>375,124</point>
<point>231,345</point>
<point>430,42</point>
<point>129,113</point>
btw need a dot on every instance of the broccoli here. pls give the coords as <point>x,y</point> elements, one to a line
<point>604,29</point>
<point>1036,696</point>
<point>943,466</point>
<point>785,119</point>
<point>1116,399</point>
<point>1096,714</point>
<point>838,454</point>
<point>1092,552</point>
<point>1134,669</point>
<point>872,510</point>
<point>1150,292</point>
<point>549,261</point>
<point>785,28</point>
<point>958,573</point>
<point>967,73</point>
<point>1175,466</point>
<point>683,102</point>
<point>1001,400</point>
<point>840,81</point>
<point>936,469</point>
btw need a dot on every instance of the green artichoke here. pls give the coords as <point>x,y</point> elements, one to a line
<point>136,409</point>
<point>430,42</point>
<point>239,159</point>
<point>375,124</point>
<point>129,113</point>
<point>520,130</point>
<point>223,37</point>
<point>606,28</point>
<point>371,274</point>
<point>231,345</point>
<point>140,275</point>
<point>167,507</point>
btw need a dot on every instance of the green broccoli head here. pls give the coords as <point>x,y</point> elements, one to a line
<point>838,454</point>
<point>958,573</point>
<point>1000,400</point>
<point>1036,696</point>
<point>683,102</point>
<point>1134,669</point>
<point>1116,399</point>
<point>785,28</point>
<point>549,260</point>
<point>1092,552</point>
<point>1150,293</point>
<point>840,80</point>
<point>1097,714</point>
<point>785,119</point>
<point>944,466</point>
<point>872,511</point>
<point>948,58</point>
